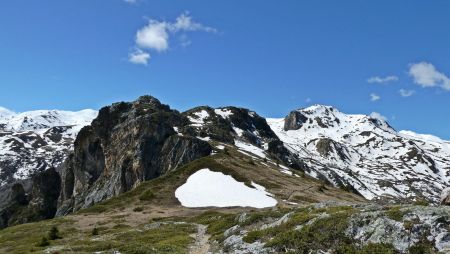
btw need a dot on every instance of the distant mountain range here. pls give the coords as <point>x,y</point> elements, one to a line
<point>36,140</point>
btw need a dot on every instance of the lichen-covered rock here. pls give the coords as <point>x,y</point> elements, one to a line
<point>126,144</point>
<point>445,196</point>
<point>405,228</point>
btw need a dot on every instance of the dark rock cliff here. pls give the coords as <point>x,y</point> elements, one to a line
<point>126,144</point>
<point>294,120</point>
<point>30,200</point>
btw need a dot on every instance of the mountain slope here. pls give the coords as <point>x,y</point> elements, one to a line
<point>143,177</point>
<point>33,141</point>
<point>366,153</point>
<point>129,143</point>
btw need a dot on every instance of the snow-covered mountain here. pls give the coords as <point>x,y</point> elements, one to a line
<point>32,141</point>
<point>366,153</point>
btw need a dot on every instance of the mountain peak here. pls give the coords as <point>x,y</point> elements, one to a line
<point>4,112</point>
<point>318,108</point>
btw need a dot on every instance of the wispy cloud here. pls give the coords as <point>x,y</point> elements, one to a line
<point>377,115</point>
<point>382,80</point>
<point>139,57</point>
<point>156,35</point>
<point>184,22</point>
<point>374,97</point>
<point>406,93</point>
<point>426,75</point>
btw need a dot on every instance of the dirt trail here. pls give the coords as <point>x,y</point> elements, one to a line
<point>201,244</point>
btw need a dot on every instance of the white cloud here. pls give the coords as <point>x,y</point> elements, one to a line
<point>308,100</point>
<point>377,115</point>
<point>156,35</point>
<point>153,36</point>
<point>382,80</point>
<point>130,1</point>
<point>374,97</point>
<point>426,75</point>
<point>184,23</point>
<point>139,56</point>
<point>406,93</point>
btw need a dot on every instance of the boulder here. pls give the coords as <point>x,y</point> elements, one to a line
<point>445,196</point>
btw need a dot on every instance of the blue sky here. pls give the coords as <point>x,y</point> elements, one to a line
<point>270,56</point>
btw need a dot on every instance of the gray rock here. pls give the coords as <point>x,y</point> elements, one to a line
<point>294,120</point>
<point>445,196</point>
<point>127,143</point>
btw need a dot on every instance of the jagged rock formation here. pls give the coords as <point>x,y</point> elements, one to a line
<point>31,199</point>
<point>126,144</point>
<point>240,127</point>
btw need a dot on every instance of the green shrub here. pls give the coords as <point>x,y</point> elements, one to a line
<point>253,236</point>
<point>138,209</point>
<point>147,195</point>
<point>53,234</point>
<point>43,243</point>
<point>421,202</point>
<point>324,234</point>
<point>95,231</point>
<point>321,188</point>
<point>217,223</point>
<point>395,213</point>
<point>374,248</point>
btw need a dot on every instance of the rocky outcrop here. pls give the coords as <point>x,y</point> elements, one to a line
<point>231,124</point>
<point>445,197</point>
<point>294,120</point>
<point>228,124</point>
<point>126,144</point>
<point>30,200</point>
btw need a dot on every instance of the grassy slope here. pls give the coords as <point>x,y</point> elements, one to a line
<point>131,222</point>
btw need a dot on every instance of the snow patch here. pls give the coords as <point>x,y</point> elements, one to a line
<point>250,148</point>
<point>223,112</point>
<point>199,118</point>
<point>207,188</point>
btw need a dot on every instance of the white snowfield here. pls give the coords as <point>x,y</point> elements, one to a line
<point>368,154</point>
<point>34,140</point>
<point>44,119</point>
<point>206,188</point>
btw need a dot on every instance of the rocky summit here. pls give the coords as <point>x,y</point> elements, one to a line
<point>127,143</point>
<point>140,177</point>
